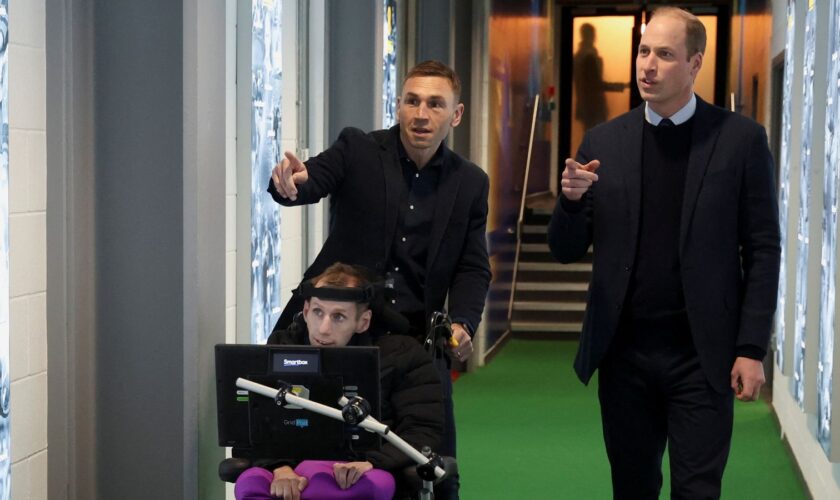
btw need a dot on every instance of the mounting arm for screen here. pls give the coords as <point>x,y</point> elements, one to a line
<point>354,411</point>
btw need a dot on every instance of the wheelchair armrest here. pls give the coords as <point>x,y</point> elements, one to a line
<point>231,468</point>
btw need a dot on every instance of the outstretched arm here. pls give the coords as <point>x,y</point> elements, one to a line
<point>294,182</point>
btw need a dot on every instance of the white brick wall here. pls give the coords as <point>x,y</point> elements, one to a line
<point>291,219</point>
<point>230,174</point>
<point>28,243</point>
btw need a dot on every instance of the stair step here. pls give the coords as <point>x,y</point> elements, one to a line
<point>540,312</point>
<point>555,266</point>
<point>538,251</point>
<point>551,287</point>
<point>548,316</point>
<point>501,303</point>
<point>542,216</point>
<point>551,296</point>
<point>537,276</point>
<point>534,247</point>
<point>548,306</point>
<point>536,257</point>
<point>539,326</point>
<point>542,247</point>
<point>540,292</point>
<point>534,237</point>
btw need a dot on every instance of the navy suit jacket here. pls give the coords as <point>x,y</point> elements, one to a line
<point>729,245</point>
<point>362,175</point>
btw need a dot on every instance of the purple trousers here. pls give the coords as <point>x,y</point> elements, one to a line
<point>375,484</point>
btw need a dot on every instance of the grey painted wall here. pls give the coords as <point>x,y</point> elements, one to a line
<point>352,66</point>
<point>71,422</point>
<point>463,48</point>
<point>138,250</point>
<point>433,29</point>
<point>444,29</point>
<point>203,252</point>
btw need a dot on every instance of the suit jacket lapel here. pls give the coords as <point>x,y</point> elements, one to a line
<point>450,179</point>
<point>704,134</point>
<point>394,187</point>
<point>632,158</point>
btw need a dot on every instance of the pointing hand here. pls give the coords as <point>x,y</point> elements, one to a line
<point>577,178</point>
<point>288,174</point>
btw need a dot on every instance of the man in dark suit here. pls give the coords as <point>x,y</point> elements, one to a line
<point>683,222</point>
<point>405,205</point>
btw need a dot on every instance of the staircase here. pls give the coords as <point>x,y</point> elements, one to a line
<point>550,297</point>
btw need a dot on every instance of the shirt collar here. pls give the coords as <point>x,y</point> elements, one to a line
<point>683,115</point>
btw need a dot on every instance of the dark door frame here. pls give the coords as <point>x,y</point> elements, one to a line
<point>568,10</point>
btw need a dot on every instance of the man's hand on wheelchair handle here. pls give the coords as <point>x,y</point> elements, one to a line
<point>461,343</point>
<point>287,484</point>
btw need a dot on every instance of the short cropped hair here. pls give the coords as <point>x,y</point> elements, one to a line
<point>341,275</point>
<point>437,68</point>
<point>695,32</point>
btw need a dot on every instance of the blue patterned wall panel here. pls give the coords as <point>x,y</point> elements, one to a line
<point>266,120</point>
<point>804,206</point>
<point>5,441</point>
<point>784,182</point>
<point>389,63</point>
<point>829,249</point>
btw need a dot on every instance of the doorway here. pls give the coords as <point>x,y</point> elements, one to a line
<point>596,64</point>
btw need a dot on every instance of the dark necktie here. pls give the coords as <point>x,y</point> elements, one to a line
<point>666,122</point>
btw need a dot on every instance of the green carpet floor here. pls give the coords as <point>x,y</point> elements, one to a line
<point>527,428</point>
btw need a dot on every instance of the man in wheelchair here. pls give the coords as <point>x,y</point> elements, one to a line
<point>337,312</point>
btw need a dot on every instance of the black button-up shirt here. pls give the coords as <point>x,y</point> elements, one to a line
<point>410,249</point>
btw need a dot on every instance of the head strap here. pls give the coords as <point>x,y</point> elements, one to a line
<point>360,295</point>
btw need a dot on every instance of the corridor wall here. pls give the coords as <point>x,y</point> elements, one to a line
<point>806,328</point>
<point>27,234</point>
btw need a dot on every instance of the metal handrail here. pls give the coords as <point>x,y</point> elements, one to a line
<point>520,222</point>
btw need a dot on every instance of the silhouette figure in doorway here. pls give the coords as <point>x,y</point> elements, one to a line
<point>590,87</point>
